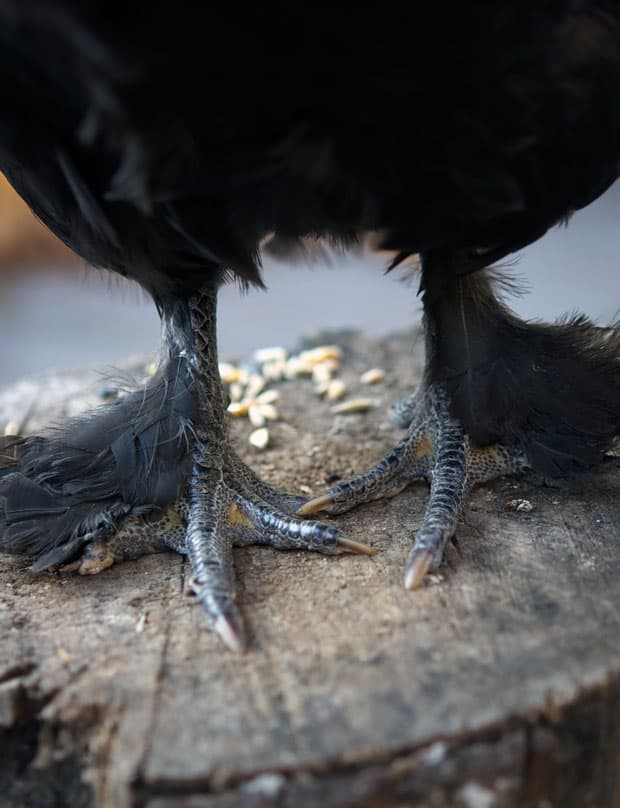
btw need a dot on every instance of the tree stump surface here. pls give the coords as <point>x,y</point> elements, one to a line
<point>496,684</point>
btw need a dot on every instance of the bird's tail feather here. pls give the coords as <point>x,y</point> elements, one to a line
<point>552,389</point>
<point>129,457</point>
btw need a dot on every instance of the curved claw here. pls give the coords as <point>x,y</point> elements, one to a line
<point>418,565</point>
<point>230,630</point>
<point>315,505</point>
<point>355,546</point>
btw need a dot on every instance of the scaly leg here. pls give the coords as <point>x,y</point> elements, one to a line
<point>500,395</point>
<point>436,449</point>
<point>223,504</point>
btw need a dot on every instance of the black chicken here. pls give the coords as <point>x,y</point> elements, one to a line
<point>166,142</point>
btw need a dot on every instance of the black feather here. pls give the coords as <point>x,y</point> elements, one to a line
<point>553,389</point>
<point>167,143</point>
<point>129,457</point>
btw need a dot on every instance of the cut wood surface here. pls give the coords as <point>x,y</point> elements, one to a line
<point>496,684</point>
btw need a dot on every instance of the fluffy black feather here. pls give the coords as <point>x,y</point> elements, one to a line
<point>482,132</point>
<point>131,456</point>
<point>553,389</point>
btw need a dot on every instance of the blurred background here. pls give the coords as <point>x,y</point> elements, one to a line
<point>55,312</point>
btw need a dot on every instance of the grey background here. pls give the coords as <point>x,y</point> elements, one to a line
<point>65,320</point>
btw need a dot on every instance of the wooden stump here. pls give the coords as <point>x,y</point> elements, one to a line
<point>496,684</point>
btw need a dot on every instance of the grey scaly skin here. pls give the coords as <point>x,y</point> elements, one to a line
<point>224,503</point>
<point>223,493</point>
<point>435,448</point>
<point>233,507</point>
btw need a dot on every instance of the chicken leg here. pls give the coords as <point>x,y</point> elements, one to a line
<point>499,396</point>
<point>220,502</point>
